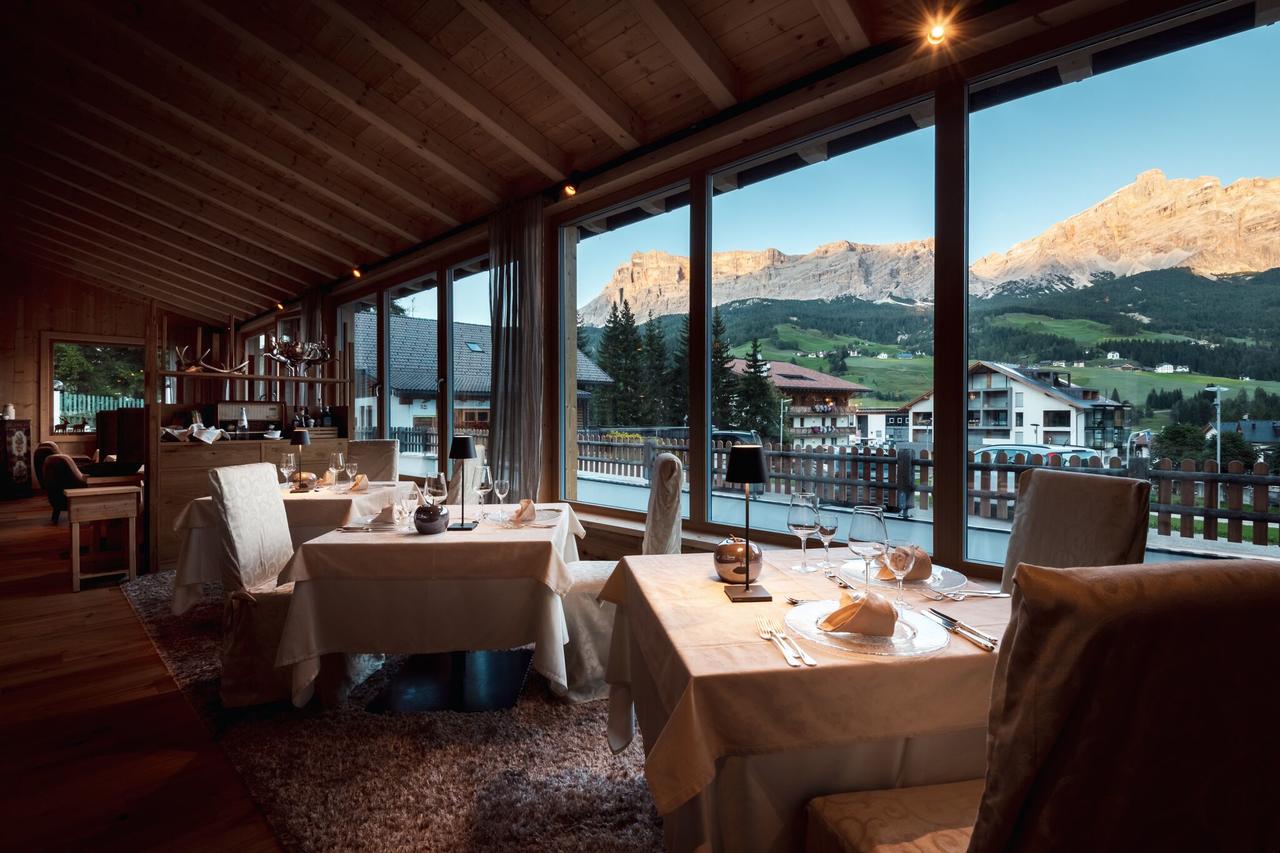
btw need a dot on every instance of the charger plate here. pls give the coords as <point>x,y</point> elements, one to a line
<point>941,580</point>
<point>913,634</point>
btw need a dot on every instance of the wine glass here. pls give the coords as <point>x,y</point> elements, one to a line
<point>867,535</point>
<point>802,519</point>
<point>437,488</point>
<point>500,488</point>
<point>337,462</point>
<point>484,487</point>
<point>828,526</point>
<point>352,468</point>
<point>288,464</point>
<point>899,556</point>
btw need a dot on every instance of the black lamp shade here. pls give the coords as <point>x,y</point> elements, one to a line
<point>747,464</point>
<point>301,438</point>
<point>462,447</point>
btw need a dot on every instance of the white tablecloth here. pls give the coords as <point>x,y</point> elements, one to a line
<point>200,554</point>
<point>402,593</point>
<point>737,742</point>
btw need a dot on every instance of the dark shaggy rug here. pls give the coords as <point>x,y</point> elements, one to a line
<point>536,777</point>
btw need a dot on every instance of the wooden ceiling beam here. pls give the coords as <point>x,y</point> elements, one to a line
<point>842,22</point>
<point>143,280</point>
<point>436,71</point>
<point>358,98</point>
<point>173,97</point>
<point>253,265</point>
<point>694,50</point>
<point>87,151</point>
<point>529,38</point>
<point>210,69</point>
<point>65,267</point>
<point>119,223</point>
<point>87,235</point>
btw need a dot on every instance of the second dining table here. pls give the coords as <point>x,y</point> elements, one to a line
<point>398,592</point>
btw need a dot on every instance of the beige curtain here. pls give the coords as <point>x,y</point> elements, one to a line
<point>515,303</point>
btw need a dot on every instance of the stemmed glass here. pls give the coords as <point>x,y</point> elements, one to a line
<point>437,488</point>
<point>500,488</point>
<point>828,526</point>
<point>352,467</point>
<point>802,519</point>
<point>899,557</point>
<point>288,464</point>
<point>337,462</point>
<point>867,535</point>
<point>484,487</point>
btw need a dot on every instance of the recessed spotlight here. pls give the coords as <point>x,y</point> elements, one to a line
<point>355,272</point>
<point>936,34</point>
<point>569,190</point>
<point>279,306</point>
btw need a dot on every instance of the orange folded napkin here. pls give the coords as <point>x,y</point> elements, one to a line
<point>360,483</point>
<point>921,570</point>
<point>526,513</point>
<point>326,479</point>
<point>862,613</point>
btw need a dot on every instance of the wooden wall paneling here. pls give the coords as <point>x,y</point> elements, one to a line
<point>690,45</point>
<point>213,69</point>
<point>436,71</point>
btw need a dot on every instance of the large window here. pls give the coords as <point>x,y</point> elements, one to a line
<point>413,388</point>
<point>626,288</point>
<point>89,378</point>
<point>471,352</point>
<point>822,325</point>
<point>358,326</point>
<point>1124,283</point>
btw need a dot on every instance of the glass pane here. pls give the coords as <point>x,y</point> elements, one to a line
<point>358,326</point>
<point>92,378</point>
<point>626,388</point>
<point>472,353</point>
<point>415,373</point>
<point>822,337</point>
<point>1124,280</point>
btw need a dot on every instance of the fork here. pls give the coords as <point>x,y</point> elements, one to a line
<point>762,627</point>
<point>934,595</point>
<point>781,634</point>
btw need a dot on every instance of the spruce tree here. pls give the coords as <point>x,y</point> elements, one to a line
<point>757,400</point>
<point>610,361</point>
<point>723,380</point>
<point>628,362</point>
<point>583,343</point>
<point>676,388</point>
<point>653,363</point>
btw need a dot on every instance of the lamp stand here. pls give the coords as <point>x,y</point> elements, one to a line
<point>743,593</point>
<point>463,524</point>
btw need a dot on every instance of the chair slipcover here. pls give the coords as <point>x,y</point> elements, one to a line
<point>589,620</point>
<point>1131,710</point>
<point>378,458</point>
<point>1065,519</point>
<point>60,473</point>
<point>468,469</point>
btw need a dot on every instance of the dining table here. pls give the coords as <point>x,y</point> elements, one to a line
<point>396,591</point>
<point>201,558</point>
<point>737,741</point>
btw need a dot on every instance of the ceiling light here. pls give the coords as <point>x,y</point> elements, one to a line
<point>355,272</point>
<point>279,306</point>
<point>569,190</point>
<point>936,34</point>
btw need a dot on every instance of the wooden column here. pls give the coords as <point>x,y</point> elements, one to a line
<point>444,360</point>
<point>151,443</point>
<point>699,343</point>
<point>566,296</point>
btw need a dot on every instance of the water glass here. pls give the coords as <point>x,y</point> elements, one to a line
<point>802,520</point>
<point>437,488</point>
<point>484,487</point>
<point>288,465</point>
<point>828,526</point>
<point>352,470</point>
<point>337,462</point>
<point>867,535</point>
<point>500,488</point>
<point>899,556</point>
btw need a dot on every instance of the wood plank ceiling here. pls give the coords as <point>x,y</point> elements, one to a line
<point>222,156</point>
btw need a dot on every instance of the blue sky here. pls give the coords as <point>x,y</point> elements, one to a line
<point>1208,110</point>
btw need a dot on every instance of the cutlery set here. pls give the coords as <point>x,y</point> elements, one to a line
<point>772,631</point>
<point>962,629</point>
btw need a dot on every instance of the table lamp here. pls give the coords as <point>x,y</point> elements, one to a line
<point>747,466</point>
<point>300,481</point>
<point>463,447</point>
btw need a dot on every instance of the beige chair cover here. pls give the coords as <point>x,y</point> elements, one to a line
<point>589,620</point>
<point>1065,518</point>
<point>1131,710</point>
<point>468,469</point>
<point>378,458</point>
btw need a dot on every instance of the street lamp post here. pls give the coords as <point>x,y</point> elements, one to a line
<point>1217,418</point>
<point>783,402</point>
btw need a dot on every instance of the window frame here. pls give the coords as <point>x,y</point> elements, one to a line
<point>44,414</point>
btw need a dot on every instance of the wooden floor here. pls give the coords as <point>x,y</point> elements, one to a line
<point>98,748</point>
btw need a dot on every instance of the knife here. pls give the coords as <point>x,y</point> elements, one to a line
<point>971,634</point>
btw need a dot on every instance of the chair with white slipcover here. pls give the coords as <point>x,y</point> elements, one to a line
<point>1068,518</point>
<point>466,475</point>
<point>589,620</point>
<point>378,458</point>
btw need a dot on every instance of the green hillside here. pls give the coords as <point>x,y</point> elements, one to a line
<point>1087,333</point>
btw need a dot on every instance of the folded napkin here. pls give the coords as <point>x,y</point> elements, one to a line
<point>326,479</point>
<point>526,513</point>
<point>863,613</point>
<point>387,515</point>
<point>418,495</point>
<point>360,483</point>
<point>921,570</point>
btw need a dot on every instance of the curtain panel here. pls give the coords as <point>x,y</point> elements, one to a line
<point>515,304</point>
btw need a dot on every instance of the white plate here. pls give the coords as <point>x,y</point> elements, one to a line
<point>941,580</point>
<point>914,634</point>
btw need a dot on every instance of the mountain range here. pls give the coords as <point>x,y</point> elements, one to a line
<point>1154,223</point>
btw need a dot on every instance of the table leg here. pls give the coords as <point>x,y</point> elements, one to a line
<point>133,548</point>
<point>75,556</point>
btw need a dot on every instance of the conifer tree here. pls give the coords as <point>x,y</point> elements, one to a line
<point>723,380</point>
<point>676,394</point>
<point>653,362</point>
<point>583,343</point>
<point>621,355</point>
<point>757,399</point>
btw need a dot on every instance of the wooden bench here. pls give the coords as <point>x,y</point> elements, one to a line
<point>103,503</point>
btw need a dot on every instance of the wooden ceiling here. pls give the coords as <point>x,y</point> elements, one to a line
<point>223,156</point>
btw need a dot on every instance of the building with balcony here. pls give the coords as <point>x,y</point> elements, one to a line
<point>820,410</point>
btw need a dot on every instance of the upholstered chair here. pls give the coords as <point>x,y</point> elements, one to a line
<point>466,474</point>
<point>59,472</point>
<point>43,451</point>
<point>1127,713</point>
<point>379,459</point>
<point>589,620</point>
<point>1065,518</point>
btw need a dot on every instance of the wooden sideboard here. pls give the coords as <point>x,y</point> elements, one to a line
<point>182,475</point>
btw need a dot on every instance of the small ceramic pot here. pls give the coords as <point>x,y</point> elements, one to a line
<point>431,519</point>
<point>303,481</point>
<point>729,560</point>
